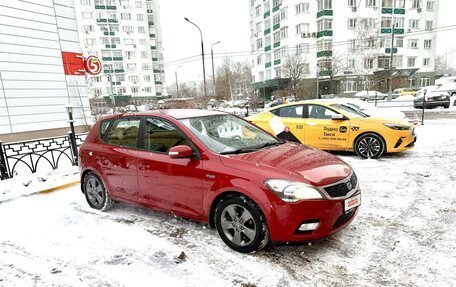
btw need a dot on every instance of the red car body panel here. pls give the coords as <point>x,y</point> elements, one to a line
<point>188,187</point>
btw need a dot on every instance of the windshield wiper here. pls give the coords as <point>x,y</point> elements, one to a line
<point>253,148</point>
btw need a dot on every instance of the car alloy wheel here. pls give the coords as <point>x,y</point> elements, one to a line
<point>369,146</point>
<point>241,224</point>
<point>96,195</point>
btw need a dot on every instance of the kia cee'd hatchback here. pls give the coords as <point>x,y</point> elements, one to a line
<point>214,167</point>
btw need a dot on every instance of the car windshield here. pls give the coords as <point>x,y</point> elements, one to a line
<point>227,134</point>
<point>352,111</point>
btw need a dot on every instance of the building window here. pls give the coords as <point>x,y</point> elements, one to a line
<point>260,60</point>
<point>383,62</point>
<point>87,15</point>
<point>411,62</point>
<point>387,3</point>
<point>412,82</point>
<point>88,28</point>
<point>414,24</point>
<point>146,78</point>
<point>90,41</point>
<point>425,81</point>
<point>399,4</point>
<point>368,63</point>
<point>429,25</point>
<point>350,86</point>
<point>398,61</point>
<point>302,28</point>
<point>258,27</point>
<point>142,42</point>
<point>302,8</point>
<point>371,3</point>
<point>430,5</point>
<point>278,72</point>
<point>140,17</point>
<point>324,24</point>
<point>352,3</point>
<point>85,2</point>
<point>324,5</point>
<point>400,42</point>
<point>144,54</point>
<point>258,11</point>
<point>259,43</point>
<point>133,78</point>
<point>413,43</point>
<point>386,22</point>
<point>351,63</point>
<point>125,16</point>
<point>399,22</point>
<point>302,48</point>
<point>416,4</point>
<point>276,3</point>
<point>426,62</point>
<point>351,23</point>
<point>283,13</point>
<point>352,44</point>
<point>427,44</point>
<point>276,37</point>
<point>276,19</point>
<point>283,33</point>
<point>277,54</point>
<point>131,66</point>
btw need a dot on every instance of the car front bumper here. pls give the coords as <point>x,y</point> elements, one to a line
<point>398,141</point>
<point>285,219</point>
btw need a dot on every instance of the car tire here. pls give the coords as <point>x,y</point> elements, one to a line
<point>241,224</point>
<point>447,106</point>
<point>95,193</point>
<point>370,145</point>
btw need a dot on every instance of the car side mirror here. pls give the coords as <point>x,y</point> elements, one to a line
<point>337,117</point>
<point>180,151</point>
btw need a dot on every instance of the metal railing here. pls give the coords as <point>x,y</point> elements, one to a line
<point>32,154</point>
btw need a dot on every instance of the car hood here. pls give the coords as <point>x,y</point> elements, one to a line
<point>384,120</point>
<point>291,161</point>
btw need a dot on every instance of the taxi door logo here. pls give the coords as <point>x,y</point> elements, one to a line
<point>92,65</point>
<point>343,129</point>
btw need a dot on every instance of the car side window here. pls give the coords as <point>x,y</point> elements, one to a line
<point>294,111</point>
<point>161,135</point>
<point>124,132</point>
<point>320,112</point>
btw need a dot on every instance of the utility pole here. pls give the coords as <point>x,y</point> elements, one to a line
<point>390,90</point>
<point>213,69</point>
<point>318,82</point>
<point>177,83</point>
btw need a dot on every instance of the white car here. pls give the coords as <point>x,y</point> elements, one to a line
<point>370,95</point>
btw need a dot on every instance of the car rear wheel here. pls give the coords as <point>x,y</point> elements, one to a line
<point>241,224</point>
<point>96,194</point>
<point>369,146</point>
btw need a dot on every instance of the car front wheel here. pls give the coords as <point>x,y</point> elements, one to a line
<point>241,224</point>
<point>96,194</point>
<point>369,146</point>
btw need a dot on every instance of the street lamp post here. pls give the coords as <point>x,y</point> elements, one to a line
<point>213,69</point>
<point>424,104</point>
<point>202,55</point>
<point>74,149</point>
<point>177,82</point>
<point>318,81</point>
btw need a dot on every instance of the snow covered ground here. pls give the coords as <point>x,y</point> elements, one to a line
<point>404,235</point>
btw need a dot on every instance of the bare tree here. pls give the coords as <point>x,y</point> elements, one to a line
<point>295,69</point>
<point>442,67</point>
<point>331,66</point>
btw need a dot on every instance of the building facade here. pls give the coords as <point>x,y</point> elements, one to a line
<point>41,70</point>
<point>346,40</point>
<point>126,37</point>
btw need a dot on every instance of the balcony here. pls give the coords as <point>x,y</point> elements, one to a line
<point>398,31</point>
<point>119,71</point>
<point>267,14</point>
<point>322,13</point>
<point>325,33</point>
<point>276,8</point>
<point>388,50</point>
<point>399,11</point>
<point>267,31</point>
<point>276,44</point>
<point>154,59</point>
<point>117,58</point>
<point>100,7</point>
<point>113,21</point>
<point>111,7</point>
<point>268,65</point>
<point>324,54</point>
<point>277,62</point>
<point>326,73</point>
<point>153,47</point>
<point>276,26</point>
<point>158,82</point>
<point>102,20</point>
<point>106,58</point>
<point>267,48</point>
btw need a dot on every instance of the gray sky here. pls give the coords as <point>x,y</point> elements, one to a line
<point>228,22</point>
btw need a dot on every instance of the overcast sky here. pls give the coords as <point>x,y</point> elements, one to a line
<point>228,22</point>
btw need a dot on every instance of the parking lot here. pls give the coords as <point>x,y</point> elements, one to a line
<point>403,235</point>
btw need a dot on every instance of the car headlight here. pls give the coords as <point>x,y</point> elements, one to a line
<point>292,191</point>
<point>397,127</point>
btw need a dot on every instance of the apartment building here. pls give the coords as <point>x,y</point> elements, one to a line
<point>126,36</point>
<point>347,41</point>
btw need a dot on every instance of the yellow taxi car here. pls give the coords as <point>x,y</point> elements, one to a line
<point>333,125</point>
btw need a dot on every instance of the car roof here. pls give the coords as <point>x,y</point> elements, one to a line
<point>174,113</point>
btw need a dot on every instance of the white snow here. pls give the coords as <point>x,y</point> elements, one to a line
<point>404,235</point>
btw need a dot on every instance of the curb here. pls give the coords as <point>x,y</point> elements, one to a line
<point>60,187</point>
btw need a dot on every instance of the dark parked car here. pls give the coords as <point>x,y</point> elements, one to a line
<point>433,99</point>
<point>217,168</point>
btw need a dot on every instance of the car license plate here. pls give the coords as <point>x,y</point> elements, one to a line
<point>352,202</point>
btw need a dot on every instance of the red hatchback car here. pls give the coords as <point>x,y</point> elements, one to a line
<point>217,168</point>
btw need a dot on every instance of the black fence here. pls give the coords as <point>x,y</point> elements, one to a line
<point>34,154</point>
